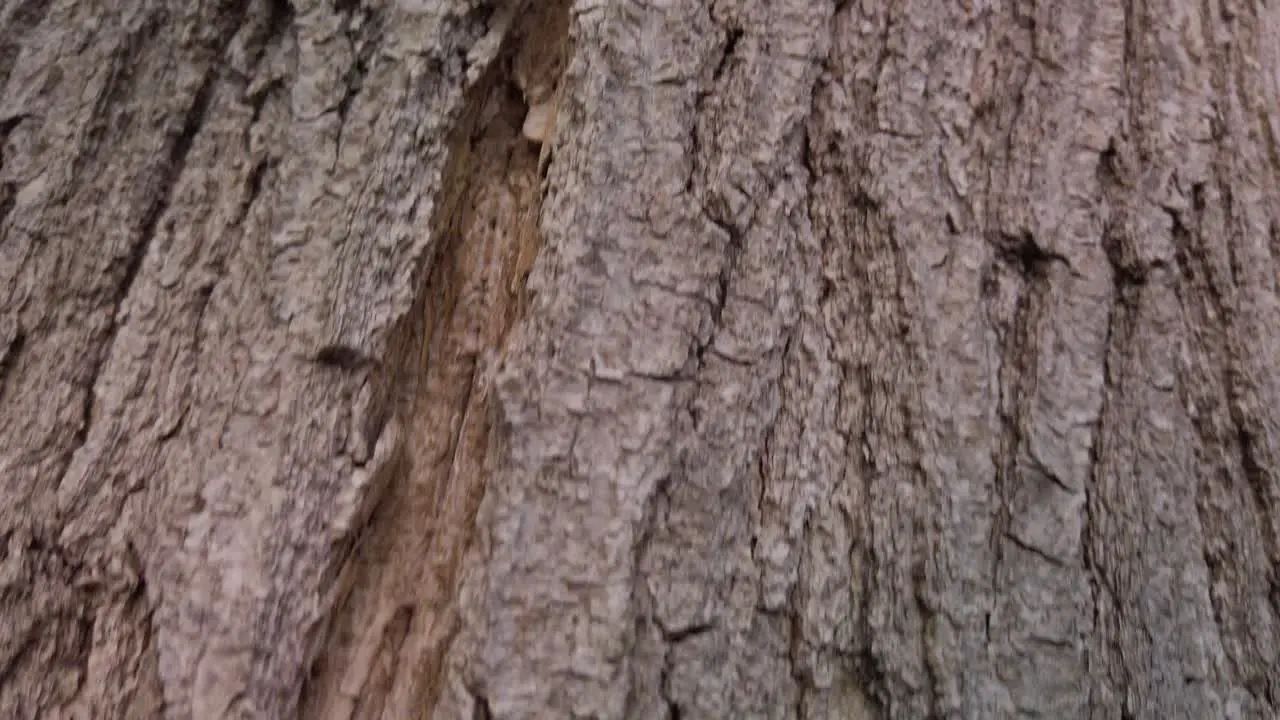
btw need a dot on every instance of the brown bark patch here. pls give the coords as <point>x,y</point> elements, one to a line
<point>391,633</point>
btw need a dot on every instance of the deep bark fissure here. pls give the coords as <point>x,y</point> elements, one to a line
<point>124,62</point>
<point>22,18</point>
<point>1116,341</point>
<point>471,293</point>
<point>8,190</point>
<point>124,270</point>
<point>12,350</point>
<point>855,372</point>
<point>728,46</point>
<point>1204,300</point>
<point>893,407</point>
<point>269,32</point>
<point>364,42</point>
<point>1230,318</point>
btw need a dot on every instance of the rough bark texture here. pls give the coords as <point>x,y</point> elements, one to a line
<point>638,359</point>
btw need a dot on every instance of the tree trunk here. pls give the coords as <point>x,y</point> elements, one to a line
<point>497,359</point>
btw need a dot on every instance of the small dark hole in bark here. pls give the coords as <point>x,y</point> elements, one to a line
<point>1024,253</point>
<point>9,356</point>
<point>279,18</point>
<point>863,201</point>
<point>686,633</point>
<point>480,14</point>
<point>989,285</point>
<point>1109,165</point>
<point>731,40</point>
<point>1197,197</point>
<point>341,356</point>
<point>15,347</point>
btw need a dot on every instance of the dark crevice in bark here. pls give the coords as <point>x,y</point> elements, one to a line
<point>677,636</point>
<point>886,364</point>
<point>1024,254</point>
<point>124,61</point>
<point>1117,175</point>
<point>125,271</point>
<point>661,500</point>
<point>1206,295</point>
<point>172,170</point>
<point>721,299</point>
<point>365,42</point>
<point>168,176</point>
<point>343,357</point>
<point>864,455</point>
<point>270,32</point>
<point>699,193</point>
<point>112,125</point>
<point>818,150</point>
<point>16,26</point>
<point>1019,347</point>
<point>1256,474</point>
<point>267,33</point>
<point>37,556</point>
<point>1232,239</point>
<point>673,707</point>
<point>768,438</point>
<point>674,711</point>
<point>434,377</point>
<point>1093,540</point>
<point>1273,240</point>
<point>18,652</point>
<point>8,190</point>
<point>82,644</point>
<point>1254,463</point>
<point>870,675</point>
<point>933,670</point>
<point>1032,549</point>
<point>705,186</point>
<point>800,676</point>
<point>731,38</point>
<point>9,355</point>
<point>279,19</point>
<point>1191,253</point>
<point>253,189</point>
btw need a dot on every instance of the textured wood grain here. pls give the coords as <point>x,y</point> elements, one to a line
<point>815,359</point>
<point>218,215</point>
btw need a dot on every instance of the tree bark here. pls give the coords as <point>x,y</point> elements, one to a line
<point>499,359</point>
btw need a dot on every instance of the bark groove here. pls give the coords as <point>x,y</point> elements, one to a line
<point>498,359</point>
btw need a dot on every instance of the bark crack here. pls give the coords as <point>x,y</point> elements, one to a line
<point>362,27</point>
<point>470,295</point>
<point>126,270</point>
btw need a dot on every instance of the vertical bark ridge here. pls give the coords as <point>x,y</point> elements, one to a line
<point>217,217</point>
<point>87,163</point>
<point>714,533</point>
<point>1176,241</point>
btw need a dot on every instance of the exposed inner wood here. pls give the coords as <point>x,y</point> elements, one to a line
<point>388,638</point>
<point>887,360</point>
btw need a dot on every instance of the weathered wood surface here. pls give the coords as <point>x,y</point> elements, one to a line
<point>858,360</point>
